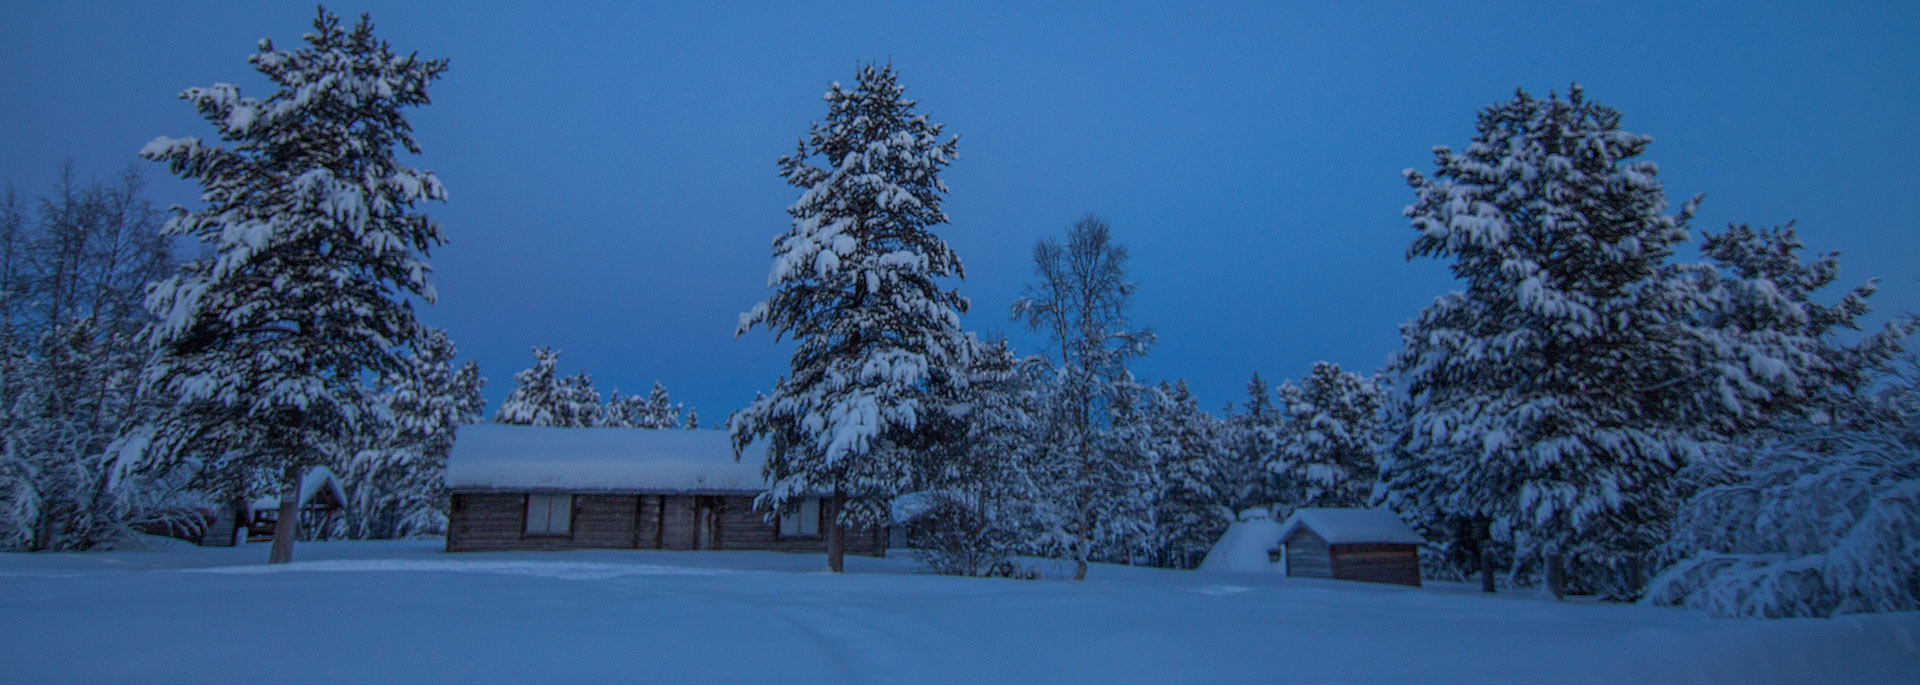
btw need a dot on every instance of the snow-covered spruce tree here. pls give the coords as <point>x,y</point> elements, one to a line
<point>1259,405</point>
<point>1190,512</point>
<point>1775,354</point>
<point>1530,420</point>
<point>1825,521</point>
<point>395,484</point>
<point>1811,510</point>
<point>1133,448</point>
<point>1250,445</point>
<point>693,419</point>
<point>579,405</point>
<point>661,411</point>
<point>972,490</point>
<point>854,287</point>
<point>19,498</point>
<point>19,495</point>
<point>536,398</point>
<point>266,346</point>
<point>655,410</point>
<point>1330,438</point>
<point>624,411</point>
<point>1080,299</point>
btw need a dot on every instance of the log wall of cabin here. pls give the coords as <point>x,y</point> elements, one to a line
<point>676,522</point>
<point>1308,556</point>
<point>744,527</point>
<point>1377,563</point>
<point>497,521</point>
<point>485,521</point>
<point>646,522</point>
<point>489,521</point>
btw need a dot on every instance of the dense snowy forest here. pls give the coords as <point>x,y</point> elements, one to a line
<point>541,398</point>
<point>1595,410</point>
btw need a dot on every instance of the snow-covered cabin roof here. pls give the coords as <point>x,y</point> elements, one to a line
<point>497,457</point>
<point>315,480</point>
<point>1352,526</point>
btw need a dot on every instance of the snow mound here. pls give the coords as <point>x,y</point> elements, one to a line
<point>912,506</point>
<point>1352,526</point>
<point>1243,549</point>
<point>601,459</point>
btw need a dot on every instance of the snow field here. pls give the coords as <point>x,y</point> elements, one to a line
<point>404,611</point>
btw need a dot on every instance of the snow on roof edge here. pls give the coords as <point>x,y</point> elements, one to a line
<point>310,484</point>
<point>526,458</point>
<point>1352,526</point>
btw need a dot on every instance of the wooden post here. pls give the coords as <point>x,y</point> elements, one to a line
<point>456,505</point>
<point>288,526</point>
<point>660,522</point>
<point>639,517</point>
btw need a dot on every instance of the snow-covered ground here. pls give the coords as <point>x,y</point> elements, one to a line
<point>405,611</point>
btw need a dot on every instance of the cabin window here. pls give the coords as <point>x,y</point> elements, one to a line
<point>549,514</point>
<point>803,522</point>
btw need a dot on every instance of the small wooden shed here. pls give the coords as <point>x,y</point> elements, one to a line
<point>1371,545</point>
<point>538,488</point>
<point>321,502</point>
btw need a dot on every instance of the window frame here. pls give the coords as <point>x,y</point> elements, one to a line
<point>546,531</point>
<point>798,521</point>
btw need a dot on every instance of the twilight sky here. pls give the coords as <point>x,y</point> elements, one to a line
<point>614,192</point>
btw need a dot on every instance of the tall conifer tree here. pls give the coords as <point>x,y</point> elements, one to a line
<point>1530,424</point>
<point>267,344</point>
<point>854,287</point>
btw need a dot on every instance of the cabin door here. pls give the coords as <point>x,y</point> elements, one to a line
<point>706,523</point>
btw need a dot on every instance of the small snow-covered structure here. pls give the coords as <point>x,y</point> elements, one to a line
<point>1371,545</point>
<point>1246,547</point>
<point>525,487</point>
<point>321,501</point>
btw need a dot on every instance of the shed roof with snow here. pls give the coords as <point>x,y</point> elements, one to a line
<point>319,482</point>
<point>1351,526</point>
<point>528,458</point>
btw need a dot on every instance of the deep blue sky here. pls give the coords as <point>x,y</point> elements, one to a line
<point>614,192</point>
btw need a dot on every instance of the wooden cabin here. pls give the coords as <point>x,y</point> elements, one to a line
<point>1371,545</point>
<point>322,501</point>
<point>529,488</point>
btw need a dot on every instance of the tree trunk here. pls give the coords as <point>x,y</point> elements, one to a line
<point>836,535</point>
<point>1556,575</point>
<point>1486,558</point>
<point>42,529</point>
<point>1083,539</point>
<point>288,526</point>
